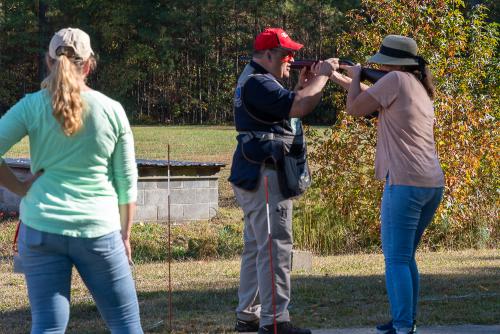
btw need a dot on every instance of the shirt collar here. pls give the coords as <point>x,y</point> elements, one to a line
<point>258,68</point>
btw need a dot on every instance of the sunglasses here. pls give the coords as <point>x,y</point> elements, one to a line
<point>286,56</point>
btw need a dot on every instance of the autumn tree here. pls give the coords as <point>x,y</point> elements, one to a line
<point>460,48</point>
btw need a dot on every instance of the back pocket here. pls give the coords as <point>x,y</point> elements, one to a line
<point>30,237</point>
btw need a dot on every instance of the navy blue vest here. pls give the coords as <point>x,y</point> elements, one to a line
<point>251,152</point>
<point>246,119</point>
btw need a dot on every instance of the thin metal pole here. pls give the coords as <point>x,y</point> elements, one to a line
<point>169,246</point>
<point>270,241</point>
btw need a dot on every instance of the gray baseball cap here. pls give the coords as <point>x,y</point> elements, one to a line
<point>74,38</point>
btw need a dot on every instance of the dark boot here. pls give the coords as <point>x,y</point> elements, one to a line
<point>246,326</point>
<point>389,329</point>
<point>283,328</point>
<point>385,328</point>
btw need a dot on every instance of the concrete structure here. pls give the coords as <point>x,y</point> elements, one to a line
<point>301,260</point>
<point>193,187</point>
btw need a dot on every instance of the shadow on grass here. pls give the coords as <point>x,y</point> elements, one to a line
<point>317,302</point>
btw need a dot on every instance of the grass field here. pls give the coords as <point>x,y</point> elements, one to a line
<point>340,291</point>
<point>198,143</point>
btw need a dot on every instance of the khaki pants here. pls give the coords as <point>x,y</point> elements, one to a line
<point>255,273</point>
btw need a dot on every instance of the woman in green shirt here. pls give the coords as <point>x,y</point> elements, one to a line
<point>78,209</point>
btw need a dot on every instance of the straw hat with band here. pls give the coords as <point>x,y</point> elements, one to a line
<point>399,50</point>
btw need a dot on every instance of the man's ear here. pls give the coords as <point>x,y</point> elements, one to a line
<point>269,56</point>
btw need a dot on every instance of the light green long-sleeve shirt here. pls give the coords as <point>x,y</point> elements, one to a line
<point>86,176</point>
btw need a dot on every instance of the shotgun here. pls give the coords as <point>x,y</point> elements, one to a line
<point>369,74</point>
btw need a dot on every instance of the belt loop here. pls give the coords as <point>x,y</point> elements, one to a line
<point>247,137</point>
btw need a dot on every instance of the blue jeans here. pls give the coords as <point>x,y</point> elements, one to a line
<point>406,212</point>
<point>47,261</point>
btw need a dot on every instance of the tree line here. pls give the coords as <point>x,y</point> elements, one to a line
<point>172,61</point>
<point>167,62</point>
<point>340,213</point>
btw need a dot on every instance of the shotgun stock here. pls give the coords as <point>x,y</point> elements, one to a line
<point>369,74</point>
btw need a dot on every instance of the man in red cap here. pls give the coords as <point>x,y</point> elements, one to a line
<point>267,118</point>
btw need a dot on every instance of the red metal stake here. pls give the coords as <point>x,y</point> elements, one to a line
<point>169,246</point>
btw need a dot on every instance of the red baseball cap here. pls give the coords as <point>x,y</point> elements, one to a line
<point>272,38</point>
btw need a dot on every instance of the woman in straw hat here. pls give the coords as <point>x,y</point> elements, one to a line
<point>78,212</point>
<point>406,159</point>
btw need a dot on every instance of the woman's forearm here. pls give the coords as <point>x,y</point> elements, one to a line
<point>345,81</point>
<point>353,91</point>
<point>127,212</point>
<point>10,181</point>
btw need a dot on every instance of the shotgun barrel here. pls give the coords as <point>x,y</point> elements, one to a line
<point>299,63</point>
<point>369,74</point>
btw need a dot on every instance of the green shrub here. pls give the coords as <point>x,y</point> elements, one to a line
<point>230,240</point>
<point>149,241</point>
<point>195,240</point>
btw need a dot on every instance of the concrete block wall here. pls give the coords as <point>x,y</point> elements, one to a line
<point>191,198</point>
<point>8,200</point>
<point>194,190</point>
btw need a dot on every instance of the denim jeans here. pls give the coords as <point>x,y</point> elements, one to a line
<point>47,261</point>
<point>406,212</point>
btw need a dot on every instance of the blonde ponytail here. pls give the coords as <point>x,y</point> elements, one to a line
<point>63,84</point>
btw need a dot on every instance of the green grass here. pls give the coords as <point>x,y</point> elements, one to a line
<point>198,143</point>
<point>341,291</point>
